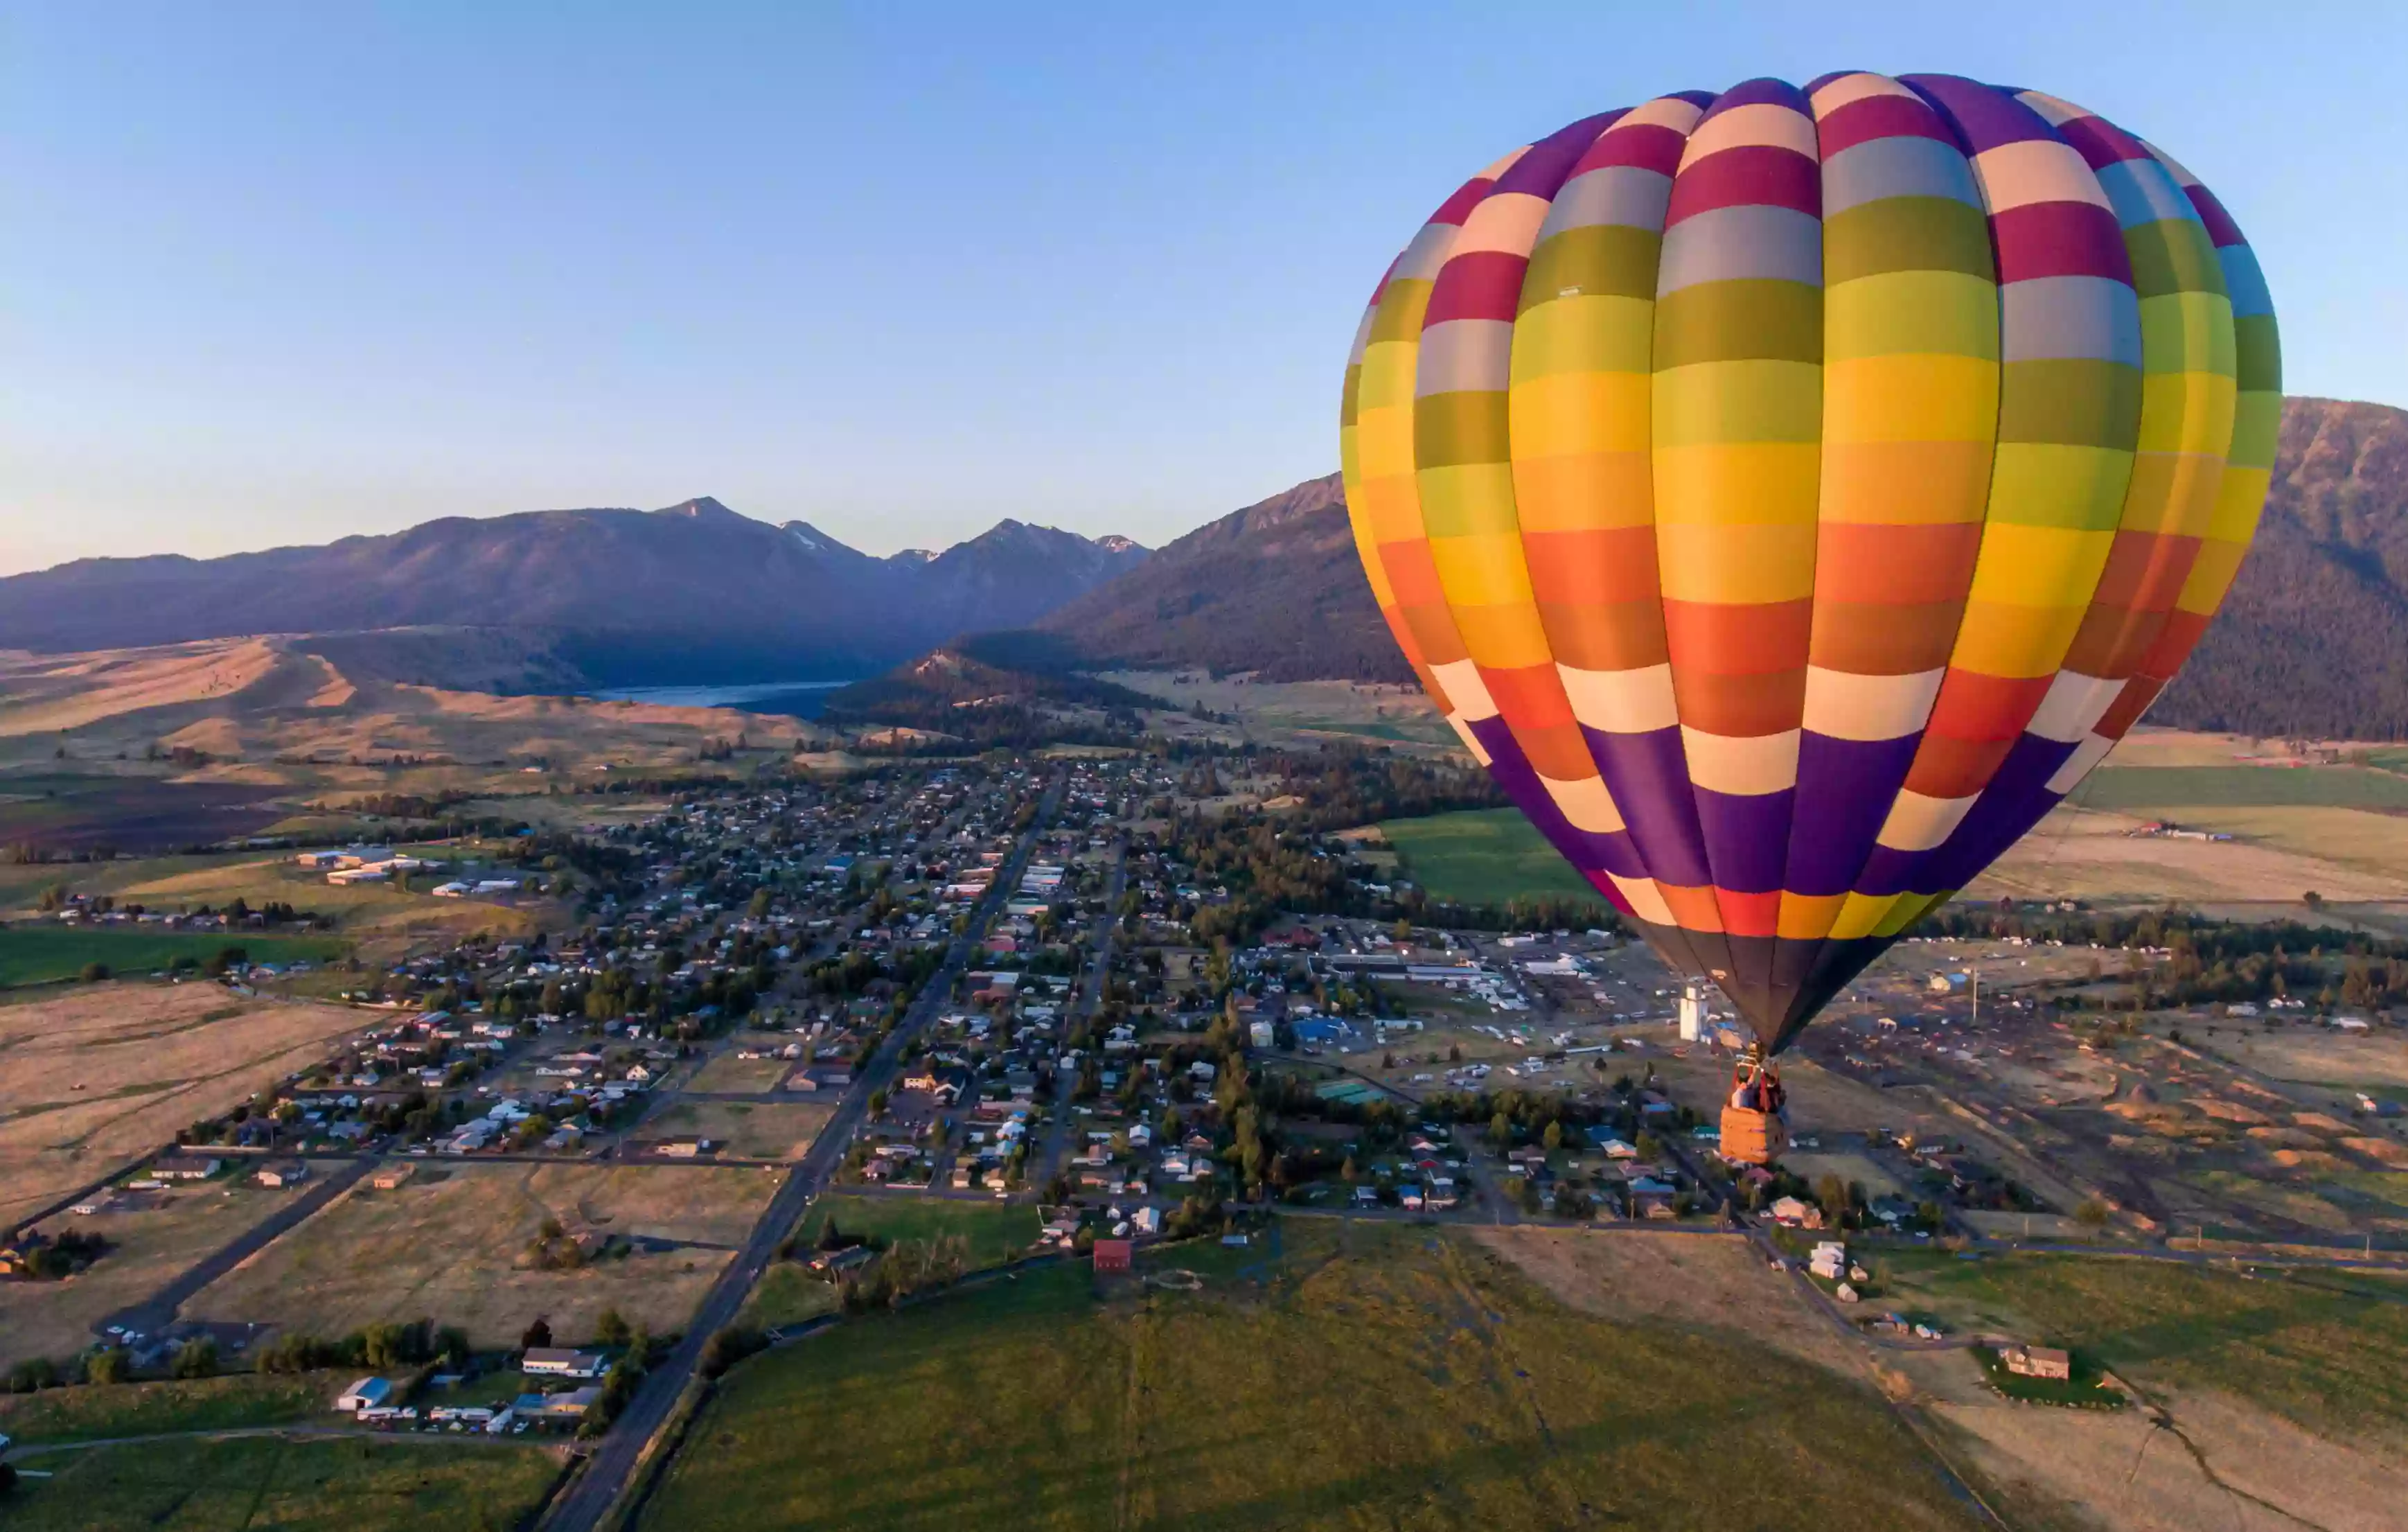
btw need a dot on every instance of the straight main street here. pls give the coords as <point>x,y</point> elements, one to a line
<point>591,1495</point>
<point>1090,1000</point>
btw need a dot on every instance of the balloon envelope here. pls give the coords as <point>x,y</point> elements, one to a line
<point>1790,495</point>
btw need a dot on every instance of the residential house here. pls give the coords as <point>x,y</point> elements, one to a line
<point>2038,1362</point>
<point>562,1362</point>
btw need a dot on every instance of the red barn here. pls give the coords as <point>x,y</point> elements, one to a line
<point>1111,1256</point>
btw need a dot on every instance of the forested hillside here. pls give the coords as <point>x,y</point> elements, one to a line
<point>2314,640</point>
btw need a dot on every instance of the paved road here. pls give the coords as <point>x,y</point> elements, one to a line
<point>1091,998</point>
<point>591,1496</point>
<point>157,1311</point>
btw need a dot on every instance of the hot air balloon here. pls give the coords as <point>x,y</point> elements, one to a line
<point>1790,496</point>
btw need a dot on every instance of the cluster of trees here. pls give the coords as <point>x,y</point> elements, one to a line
<point>381,1348</point>
<point>57,1259</point>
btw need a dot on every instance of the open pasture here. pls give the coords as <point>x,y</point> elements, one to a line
<point>750,1130</point>
<point>46,954</point>
<point>2130,788</point>
<point>149,1247</point>
<point>725,1072</point>
<point>995,1232</point>
<point>291,1484</point>
<point>91,1077</point>
<point>450,1245</point>
<point>1483,856</point>
<point>2087,854</point>
<point>1371,1376</point>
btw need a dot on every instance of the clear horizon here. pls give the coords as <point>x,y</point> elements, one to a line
<point>286,275</point>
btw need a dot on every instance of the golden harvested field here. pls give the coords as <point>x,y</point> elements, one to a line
<point>2087,854</point>
<point>446,1246</point>
<point>780,1130</point>
<point>248,701</point>
<point>2318,1055</point>
<point>92,1079</point>
<point>147,1250</point>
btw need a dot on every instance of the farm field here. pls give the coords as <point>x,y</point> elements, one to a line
<point>725,1072</point>
<point>2320,1056</point>
<point>279,712</point>
<point>751,1130</point>
<point>340,1485</point>
<point>148,1249</point>
<point>363,911</point>
<point>2326,1351</point>
<point>45,954</point>
<point>92,1077</point>
<point>994,1231</point>
<point>231,1401</point>
<point>2284,1391</point>
<point>1275,710</point>
<point>1483,856</point>
<point>2086,853</point>
<point>2117,786</point>
<point>449,1244</point>
<point>1382,1376</point>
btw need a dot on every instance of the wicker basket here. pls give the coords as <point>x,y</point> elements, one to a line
<point>1753,1137</point>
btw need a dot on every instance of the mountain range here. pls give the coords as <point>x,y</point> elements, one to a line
<point>2312,641</point>
<point>691,594</point>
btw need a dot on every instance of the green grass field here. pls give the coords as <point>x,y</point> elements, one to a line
<point>994,1231</point>
<point>1483,856</point>
<point>2241,787</point>
<point>95,1412</point>
<point>46,954</point>
<point>343,1486</point>
<point>1402,1380</point>
<point>2331,1352</point>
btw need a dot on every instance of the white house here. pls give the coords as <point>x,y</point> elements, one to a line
<point>562,1362</point>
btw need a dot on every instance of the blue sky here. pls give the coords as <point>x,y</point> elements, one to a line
<point>279,273</point>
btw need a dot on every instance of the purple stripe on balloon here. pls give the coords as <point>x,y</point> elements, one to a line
<point>1540,172</point>
<point>1648,775</point>
<point>2016,798</point>
<point>1747,836</point>
<point>1888,870</point>
<point>1511,771</point>
<point>1759,92</point>
<point>1846,787</point>
<point>1981,115</point>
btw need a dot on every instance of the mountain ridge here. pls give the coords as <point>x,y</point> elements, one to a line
<point>2312,641</point>
<point>691,592</point>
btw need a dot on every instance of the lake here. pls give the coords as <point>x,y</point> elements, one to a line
<point>788,698</point>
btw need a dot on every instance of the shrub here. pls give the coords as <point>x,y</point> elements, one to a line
<point>728,1346</point>
<point>195,1358</point>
